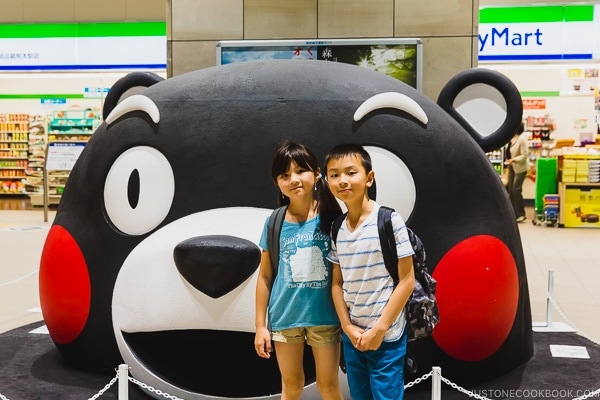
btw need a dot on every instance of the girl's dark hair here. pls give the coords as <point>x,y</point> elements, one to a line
<point>327,206</point>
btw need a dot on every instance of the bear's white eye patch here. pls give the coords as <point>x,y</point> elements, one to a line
<point>139,190</point>
<point>395,184</point>
<point>474,98</point>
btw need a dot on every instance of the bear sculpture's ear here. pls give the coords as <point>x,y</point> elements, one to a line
<point>130,84</point>
<point>486,103</point>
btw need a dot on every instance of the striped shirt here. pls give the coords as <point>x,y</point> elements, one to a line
<point>367,284</point>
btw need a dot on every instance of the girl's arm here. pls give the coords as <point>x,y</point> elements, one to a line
<point>262,339</point>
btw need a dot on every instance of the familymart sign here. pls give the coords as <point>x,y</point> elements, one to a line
<point>539,33</point>
<point>83,46</point>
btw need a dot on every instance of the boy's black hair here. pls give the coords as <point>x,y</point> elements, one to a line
<point>349,149</point>
<point>327,205</point>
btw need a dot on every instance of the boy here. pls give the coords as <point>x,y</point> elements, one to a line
<point>370,308</point>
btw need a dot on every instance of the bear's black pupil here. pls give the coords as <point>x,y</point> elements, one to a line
<point>133,188</point>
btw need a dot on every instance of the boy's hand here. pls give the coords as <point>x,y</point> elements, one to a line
<point>262,343</point>
<point>370,340</point>
<point>353,332</point>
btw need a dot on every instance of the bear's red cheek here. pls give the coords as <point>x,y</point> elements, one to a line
<point>477,292</point>
<point>65,293</point>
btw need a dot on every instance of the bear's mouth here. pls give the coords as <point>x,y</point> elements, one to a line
<point>211,362</point>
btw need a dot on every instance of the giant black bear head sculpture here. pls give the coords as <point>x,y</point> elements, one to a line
<point>183,166</point>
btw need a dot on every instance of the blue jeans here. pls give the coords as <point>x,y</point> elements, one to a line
<point>376,374</point>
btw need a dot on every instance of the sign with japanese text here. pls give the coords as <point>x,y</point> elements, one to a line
<point>83,46</point>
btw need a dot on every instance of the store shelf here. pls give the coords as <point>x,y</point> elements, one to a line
<point>69,126</point>
<point>496,158</point>
<point>13,153</point>
<point>73,124</point>
<point>579,188</point>
<point>37,199</point>
<point>37,148</point>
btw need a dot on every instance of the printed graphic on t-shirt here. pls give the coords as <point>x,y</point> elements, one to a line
<point>305,261</point>
<point>307,265</point>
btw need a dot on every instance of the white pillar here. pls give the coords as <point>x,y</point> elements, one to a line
<point>550,294</point>
<point>436,383</point>
<point>123,377</point>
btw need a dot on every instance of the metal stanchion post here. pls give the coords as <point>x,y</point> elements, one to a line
<point>548,296</point>
<point>123,375</point>
<point>436,383</point>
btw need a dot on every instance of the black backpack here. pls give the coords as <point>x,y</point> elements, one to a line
<point>422,313</point>
<point>273,233</point>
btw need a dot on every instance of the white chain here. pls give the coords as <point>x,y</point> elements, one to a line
<point>587,396</point>
<point>94,397</point>
<point>408,385</point>
<point>567,319</point>
<point>151,389</point>
<point>461,389</point>
<point>418,380</point>
<point>104,389</point>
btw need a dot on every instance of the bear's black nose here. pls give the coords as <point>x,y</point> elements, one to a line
<point>216,264</point>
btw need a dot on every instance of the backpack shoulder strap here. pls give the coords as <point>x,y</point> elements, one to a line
<point>336,225</point>
<point>273,234</point>
<point>388,241</point>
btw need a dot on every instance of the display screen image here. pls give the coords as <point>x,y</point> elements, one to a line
<point>398,58</point>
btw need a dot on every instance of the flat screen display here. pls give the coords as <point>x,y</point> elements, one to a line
<point>398,58</point>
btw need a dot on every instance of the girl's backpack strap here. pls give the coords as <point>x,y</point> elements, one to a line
<point>273,234</point>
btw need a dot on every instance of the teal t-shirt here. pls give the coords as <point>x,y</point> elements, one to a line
<point>301,293</point>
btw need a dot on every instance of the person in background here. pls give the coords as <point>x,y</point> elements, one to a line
<point>370,307</point>
<point>296,306</point>
<point>516,161</point>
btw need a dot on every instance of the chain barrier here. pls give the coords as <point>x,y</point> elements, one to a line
<point>418,380</point>
<point>557,308</point>
<point>94,397</point>
<point>595,393</point>
<point>153,390</point>
<point>104,389</point>
<point>462,389</point>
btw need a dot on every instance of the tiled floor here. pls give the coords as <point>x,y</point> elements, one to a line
<point>573,254</point>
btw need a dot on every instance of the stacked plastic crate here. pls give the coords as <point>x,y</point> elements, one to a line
<point>551,205</point>
<point>545,183</point>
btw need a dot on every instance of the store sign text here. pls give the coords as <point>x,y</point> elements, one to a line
<point>534,104</point>
<point>504,37</point>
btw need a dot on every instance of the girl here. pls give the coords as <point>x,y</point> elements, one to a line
<point>298,301</point>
